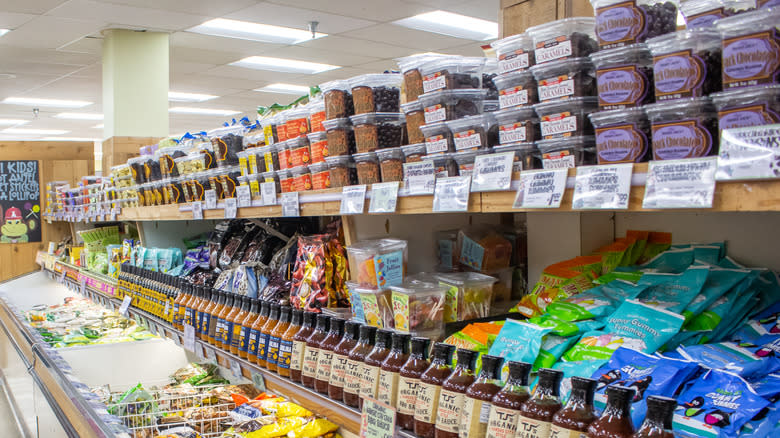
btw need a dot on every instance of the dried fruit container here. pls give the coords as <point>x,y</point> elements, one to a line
<point>567,152</point>
<point>516,89</point>
<point>514,53</point>
<point>377,130</point>
<point>376,92</point>
<point>227,142</point>
<point>452,104</point>
<point>316,110</point>
<point>620,23</point>
<point>683,128</point>
<point>338,100</point>
<point>415,117</point>
<point>624,77</point>
<point>573,37</point>
<point>438,138</point>
<point>622,136</point>
<point>341,170</point>
<point>418,307</point>
<point>167,157</point>
<point>391,164</point>
<point>378,263</point>
<point>412,78</point>
<point>341,138</point>
<point>367,165</point>
<point>452,72</point>
<point>468,295</point>
<point>558,80</point>
<point>517,125</point>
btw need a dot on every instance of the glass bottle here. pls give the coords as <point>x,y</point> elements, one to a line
<point>352,377</point>
<point>246,325</point>
<point>537,413</point>
<point>254,331</point>
<point>369,384</point>
<point>265,334</point>
<point>615,421</point>
<point>275,338</point>
<point>203,317</point>
<point>185,305</point>
<point>409,381</point>
<point>576,416</point>
<point>338,369</point>
<point>452,394</point>
<point>476,407</point>
<point>429,389</point>
<point>230,322</point>
<point>238,319</point>
<point>505,409</point>
<point>658,421</point>
<point>178,308</point>
<point>286,343</point>
<point>208,313</point>
<point>222,320</point>
<point>299,346</point>
<point>325,358</point>
<point>388,374</point>
<point>312,352</point>
<point>192,307</point>
<point>214,317</point>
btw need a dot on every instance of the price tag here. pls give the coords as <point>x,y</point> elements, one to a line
<point>259,382</point>
<point>125,305</point>
<point>384,198</point>
<point>83,286</point>
<point>290,206</point>
<point>452,194</point>
<point>235,368</point>
<point>113,216</point>
<point>603,187</point>
<point>268,193</point>
<point>244,194</point>
<point>748,153</point>
<point>231,208</point>
<point>199,353</point>
<point>377,420</point>
<point>62,277</point>
<point>197,210</point>
<point>153,328</point>
<point>353,199</point>
<point>541,188</point>
<point>210,196</point>
<point>492,172</point>
<point>681,183</point>
<point>175,338</point>
<point>420,177</point>
<point>189,337</point>
<point>211,355</point>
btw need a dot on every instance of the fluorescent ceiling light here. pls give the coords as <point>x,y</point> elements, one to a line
<point>246,30</point>
<point>203,111</point>
<point>13,122</point>
<point>80,116</point>
<point>285,89</point>
<point>100,126</point>
<point>174,96</point>
<point>283,65</point>
<point>4,31</point>
<point>46,102</point>
<point>70,139</point>
<point>455,25</point>
<point>25,131</point>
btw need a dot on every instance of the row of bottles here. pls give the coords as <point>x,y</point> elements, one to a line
<point>153,292</point>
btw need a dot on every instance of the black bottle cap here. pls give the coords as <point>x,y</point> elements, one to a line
<point>309,319</point>
<point>467,358</point>
<point>351,330</point>
<point>491,366</point>
<point>443,352</point>
<point>519,372</point>
<point>383,338</point>
<point>401,342</point>
<point>661,410</point>
<point>583,388</point>
<point>323,322</point>
<point>336,327</point>
<point>265,308</point>
<point>284,313</point>
<point>367,334</point>
<point>297,316</point>
<point>420,346</point>
<point>550,378</point>
<point>619,397</point>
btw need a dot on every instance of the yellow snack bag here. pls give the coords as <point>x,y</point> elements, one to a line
<point>280,428</point>
<point>289,409</point>
<point>313,429</point>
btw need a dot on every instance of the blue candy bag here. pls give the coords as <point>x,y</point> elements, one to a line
<point>583,368</point>
<point>672,261</point>
<point>653,327</point>
<point>765,424</point>
<point>768,387</point>
<point>519,341</point>
<point>673,292</point>
<point>750,361</point>
<point>552,349</point>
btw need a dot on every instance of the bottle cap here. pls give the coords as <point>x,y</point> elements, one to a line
<point>367,334</point>
<point>519,372</point>
<point>420,346</point>
<point>467,358</point>
<point>443,352</point>
<point>549,378</point>
<point>491,366</point>
<point>584,387</point>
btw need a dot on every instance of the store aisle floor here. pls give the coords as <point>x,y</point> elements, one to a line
<point>8,427</point>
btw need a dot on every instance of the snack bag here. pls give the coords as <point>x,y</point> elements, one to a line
<point>519,341</point>
<point>613,254</point>
<point>672,292</point>
<point>718,283</point>
<point>313,429</point>
<point>581,368</point>
<point>751,361</point>
<point>652,326</point>
<point>565,328</point>
<point>767,387</point>
<point>640,242</point>
<point>595,303</point>
<point>657,243</point>
<point>716,405</point>
<point>281,428</point>
<point>765,424</point>
<point>673,261</point>
<point>552,349</point>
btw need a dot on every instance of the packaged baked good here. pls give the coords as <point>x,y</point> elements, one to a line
<point>438,138</point>
<point>683,128</point>
<point>518,88</point>
<point>452,104</point>
<point>622,136</point>
<point>567,152</point>
<point>624,76</point>
<point>514,53</point>
<point>452,72</point>
<point>519,124</point>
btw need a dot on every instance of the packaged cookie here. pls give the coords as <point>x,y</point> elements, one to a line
<point>622,136</point>
<point>686,64</point>
<point>683,128</point>
<point>518,88</point>
<point>377,130</point>
<point>575,77</point>
<point>624,77</point>
<point>517,125</point>
<point>567,118</point>
<point>567,152</point>
<point>620,22</point>
<point>376,92</point>
<point>573,37</point>
<point>751,48</point>
<point>514,53</point>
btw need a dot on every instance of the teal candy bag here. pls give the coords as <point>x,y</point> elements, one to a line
<point>673,261</point>
<point>565,328</point>
<point>552,349</point>
<point>673,292</point>
<point>652,326</point>
<point>729,263</point>
<point>519,341</point>
<point>594,303</point>
<point>719,282</point>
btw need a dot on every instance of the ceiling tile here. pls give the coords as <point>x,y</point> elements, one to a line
<point>342,73</point>
<point>379,66</point>
<point>484,9</point>
<point>245,74</point>
<point>437,4</point>
<point>356,46</point>
<point>473,49</point>
<point>318,55</point>
<point>30,6</point>
<point>94,71</point>
<point>376,10</point>
<point>209,8</point>
<point>127,15</point>
<point>20,68</point>
<point>212,83</point>
<point>220,44</point>
<point>12,20</point>
<point>90,45</point>
<point>401,36</point>
<point>269,13</point>
<point>20,84</point>
<point>46,56</point>
<point>50,32</point>
<point>177,68</point>
<point>193,54</point>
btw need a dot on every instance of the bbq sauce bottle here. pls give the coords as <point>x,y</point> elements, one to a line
<point>265,335</point>
<point>409,382</point>
<point>214,316</point>
<point>325,358</point>
<point>208,315</point>
<point>246,326</point>
<point>254,331</point>
<point>615,421</point>
<point>312,352</point>
<point>338,368</point>
<point>299,346</point>
<point>286,343</point>
<point>238,321</point>
<point>537,413</point>
<point>275,339</point>
<point>369,381</point>
<point>355,359</point>
<point>388,375</point>
<point>476,407</point>
<point>429,389</point>
<point>452,394</point>
<point>658,421</point>
<point>573,420</point>
<point>505,409</point>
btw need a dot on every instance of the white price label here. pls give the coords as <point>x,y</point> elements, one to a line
<point>153,328</point>
<point>749,153</point>
<point>244,194</point>
<point>235,368</point>
<point>62,277</point>
<point>452,194</point>
<point>197,210</point>
<point>113,216</point>
<point>259,382</point>
<point>189,337</point>
<point>210,196</point>
<point>353,199</point>
<point>541,189</point>
<point>231,207</point>
<point>492,172</point>
<point>211,354</point>
<point>125,305</point>
<point>290,205</point>
<point>83,287</point>
<point>384,198</point>
<point>420,177</point>
<point>603,187</point>
<point>268,193</point>
<point>200,354</point>
<point>681,183</point>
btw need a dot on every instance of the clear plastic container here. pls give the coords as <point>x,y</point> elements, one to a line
<point>269,177</point>
<point>190,164</point>
<point>297,122</point>
<point>412,78</point>
<point>620,23</point>
<point>418,307</point>
<point>704,13</point>
<point>567,118</point>
<point>750,49</point>
<point>318,144</point>
<point>452,72</point>
<point>301,179</point>
<point>270,158</point>
<point>683,128</point>
<point>137,169</point>
<point>285,180</point>
<point>753,106</point>
<point>316,110</point>
<point>341,138</point>
<point>251,182</point>
<point>465,160</point>
<point>391,164</point>
<point>415,117</point>
<point>269,129</point>
<point>413,153</point>
<point>527,157</point>
<point>367,165</point>
<point>227,142</point>
<point>378,263</point>
<point>516,89</point>
<point>254,139</point>
<point>573,37</point>
<point>452,104</point>
<point>121,170</point>
<point>624,77</point>
<point>377,307</point>
<point>300,154</point>
<point>376,92</point>
<point>167,157</point>
<point>567,152</point>
<point>514,53</point>
<point>518,124</point>
<point>622,136</point>
<point>243,163</point>
<point>469,295</point>
<point>470,133</point>
<point>377,130</point>
<point>557,80</point>
<point>438,138</point>
<point>283,152</point>
<point>281,126</point>
<point>320,176</point>
<point>490,106</point>
<point>443,164</point>
<point>686,64</point>
<point>228,179</point>
<point>342,171</point>
<point>338,100</point>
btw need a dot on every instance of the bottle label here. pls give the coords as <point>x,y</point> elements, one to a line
<point>388,388</point>
<point>556,88</point>
<point>530,428</point>
<point>558,125</point>
<point>273,349</point>
<point>310,361</point>
<point>253,336</point>
<point>502,422</point>
<point>262,346</point>
<point>751,59</point>
<point>338,370</point>
<point>227,333</point>
<point>324,362</point>
<point>471,423</point>
<point>234,341</point>
<point>559,432</point>
<point>427,402</point>
<point>407,394</point>
<point>218,331</point>
<point>369,379</point>
<point>243,339</point>
<point>448,413</point>
<point>296,360</point>
<point>285,354</point>
<point>352,377</point>
<point>205,324</point>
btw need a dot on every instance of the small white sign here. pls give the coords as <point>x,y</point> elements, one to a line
<point>541,188</point>
<point>353,199</point>
<point>211,355</point>
<point>197,210</point>
<point>210,196</point>
<point>189,337</point>
<point>235,368</point>
<point>452,194</point>
<point>244,195</point>
<point>125,305</point>
<point>268,193</point>
<point>231,208</point>
<point>200,354</point>
<point>681,183</point>
<point>603,187</point>
<point>83,287</point>
<point>749,153</point>
<point>384,198</point>
<point>290,205</point>
<point>492,172</point>
<point>420,177</point>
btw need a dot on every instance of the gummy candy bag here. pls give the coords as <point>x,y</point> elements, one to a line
<point>519,341</point>
<point>719,282</point>
<point>751,361</point>
<point>595,303</point>
<point>672,292</point>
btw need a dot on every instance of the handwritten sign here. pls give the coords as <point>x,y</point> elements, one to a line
<point>420,177</point>
<point>353,199</point>
<point>20,202</point>
<point>681,183</point>
<point>603,187</point>
<point>541,189</point>
<point>377,420</point>
<point>230,208</point>
<point>492,172</point>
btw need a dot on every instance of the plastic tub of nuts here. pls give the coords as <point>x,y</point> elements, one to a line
<point>391,164</point>
<point>557,80</point>
<point>527,157</point>
<point>300,154</point>
<point>683,128</point>
<point>413,152</point>
<point>568,118</point>
<point>367,165</point>
<point>624,77</point>
<point>620,23</point>
<point>573,37</point>
<point>686,64</point>
<point>415,117</point>
<point>443,164</point>
<point>567,152</point>
<point>341,138</point>
<point>518,124</point>
<point>753,106</point>
<point>514,53</point>
<point>316,110</point>
<point>377,130</point>
<point>452,72</point>
<point>470,133</point>
<point>452,104</point>
<point>412,78</point>
<point>320,176</point>
<point>376,92</point>
<point>438,138</point>
<point>318,144</point>
<point>518,88</point>
<point>704,13</point>
<point>342,171</point>
<point>338,100</point>
<point>622,136</point>
<point>750,49</point>
<point>465,160</point>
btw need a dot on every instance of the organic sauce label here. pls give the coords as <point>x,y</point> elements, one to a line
<point>502,422</point>
<point>530,428</point>
<point>474,418</point>
<point>388,388</point>
<point>324,364</point>
<point>427,402</point>
<point>310,361</point>
<point>352,377</point>
<point>296,358</point>
<point>559,432</point>
<point>448,414</point>
<point>369,381</point>
<point>407,395</point>
<point>338,370</point>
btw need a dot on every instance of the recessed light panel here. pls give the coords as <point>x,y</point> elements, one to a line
<point>285,89</point>
<point>247,30</point>
<point>450,24</point>
<point>57,103</point>
<point>202,111</point>
<point>283,65</point>
<point>174,96</point>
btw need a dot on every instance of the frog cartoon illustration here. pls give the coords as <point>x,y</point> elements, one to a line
<point>14,229</point>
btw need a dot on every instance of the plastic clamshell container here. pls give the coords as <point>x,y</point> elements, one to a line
<point>564,79</point>
<point>391,164</point>
<point>283,152</point>
<point>297,122</point>
<point>376,92</point>
<point>270,158</point>
<point>686,63</point>
<point>300,153</point>
<point>469,295</point>
<point>452,72</point>
<point>567,152</point>
<point>465,160</point>
<point>704,13</point>
<point>285,180</point>
<point>367,165</point>
<point>316,110</point>
<point>377,130</point>
<point>251,182</point>
<point>566,38</point>
<point>743,107</point>
<point>320,176</point>
<point>337,98</point>
<point>377,305</point>
<point>624,76</point>
<point>452,104</point>
<point>527,157</point>
<point>443,164</point>
<point>683,128</point>
<point>622,136</point>
<point>514,53</point>
<point>438,138</point>
<point>568,118</point>
<point>418,307</point>
<point>518,124</point>
<point>415,117</point>
<point>342,170</point>
<point>756,62</point>
<point>470,133</point>
<point>340,136</point>
<point>620,23</point>
<point>378,263</point>
<point>413,152</point>
<point>410,69</point>
<point>518,88</point>
<point>318,144</point>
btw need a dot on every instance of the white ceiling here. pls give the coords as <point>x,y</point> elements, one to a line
<point>54,49</point>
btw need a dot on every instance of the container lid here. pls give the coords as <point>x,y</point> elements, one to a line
<point>338,84</point>
<point>587,103</point>
<point>512,79</point>
<point>300,170</point>
<point>748,95</point>
<point>439,96</point>
<point>477,121</point>
<point>556,144</point>
<point>378,245</point>
<point>412,62</point>
<point>454,64</point>
<point>621,55</point>
<point>468,156</point>
<point>411,149</point>
<point>561,66</point>
<point>606,118</point>
<point>432,129</point>
<point>514,114</point>
<point>336,123</point>
<point>300,112</point>
<point>376,80</point>
<point>316,106</point>
<point>563,27</point>
<point>683,39</point>
<point>269,174</point>
<point>357,288</point>
<point>409,107</point>
<point>438,157</point>
<point>338,160</point>
<point>297,142</point>
<point>463,279</point>
<point>389,153</point>
<point>523,147</point>
<point>512,43</point>
<point>318,167</point>
<point>664,109</point>
<point>373,118</point>
<point>419,288</point>
<point>765,18</point>
<point>317,136</point>
<point>365,156</point>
